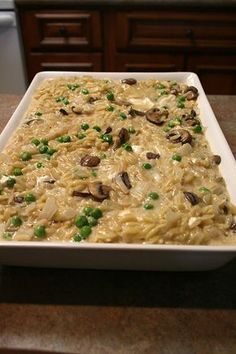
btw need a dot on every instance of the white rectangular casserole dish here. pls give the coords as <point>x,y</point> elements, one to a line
<point>126,256</point>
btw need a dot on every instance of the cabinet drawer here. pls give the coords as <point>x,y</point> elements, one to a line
<point>149,63</point>
<point>62,29</point>
<point>64,62</point>
<point>152,30</point>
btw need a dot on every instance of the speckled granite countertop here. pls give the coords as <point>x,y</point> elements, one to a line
<point>177,3</point>
<point>120,312</point>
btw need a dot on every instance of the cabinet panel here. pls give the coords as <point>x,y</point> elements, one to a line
<point>62,29</point>
<point>149,63</point>
<point>217,73</point>
<point>155,29</point>
<point>64,62</point>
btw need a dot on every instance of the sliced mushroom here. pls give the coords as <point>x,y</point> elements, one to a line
<point>122,102</point>
<point>152,156</point>
<point>191,198</point>
<point>122,138</point>
<point>156,116</point>
<point>233,226</point>
<point>133,112</point>
<point>80,194</point>
<point>92,99</point>
<point>77,109</point>
<point>108,130</point>
<point>129,81</point>
<point>123,135</point>
<point>193,113</point>
<point>18,199</point>
<point>63,111</point>
<point>90,161</point>
<point>179,136</point>
<point>49,181</point>
<point>191,93</point>
<point>189,120</point>
<point>175,90</point>
<point>123,181</point>
<point>216,159</point>
<point>99,191</point>
<point>33,120</point>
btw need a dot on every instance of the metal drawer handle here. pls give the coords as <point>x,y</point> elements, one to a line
<point>63,31</point>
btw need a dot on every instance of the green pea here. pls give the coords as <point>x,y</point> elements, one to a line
<point>177,157</point>
<point>17,171</point>
<point>97,128</point>
<point>153,195</point>
<point>77,238</point>
<point>166,129</point>
<point>163,92</point>
<point>81,221</point>
<point>147,166</point>
<point>39,165</point>
<point>110,108</point>
<point>44,141</point>
<point>110,96</point>
<point>7,235</point>
<point>85,231</point>
<point>88,211</point>
<point>64,139</point>
<point>204,190</point>
<point>38,114</point>
<point>51,151</point>
<point>103,155</point>
<point>180,104</point>
<point>197,129</point>
<point>29,198</point>
<point>16,221</point>
<point>148,206</point>
<point>131,130</point>
<point>174,122</point>
<point>127,147</point>
<point>94,173</point>
<point>35,141</point>
<point>43,149</point>
<point>81,136</point>
<point>96,213</point>
<point>92,221</point>
<point>25,156</point>
<point>73,87</point>
<point>84,126</point>
<point>160,86</point>
<point>40,231</point>
<point>123,116</point>
<point>107,138</point>
<point>63,100</point>
<point>85,91</point>
<point>10,182</point>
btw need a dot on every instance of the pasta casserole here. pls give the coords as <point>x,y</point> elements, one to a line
<point>119,161</point>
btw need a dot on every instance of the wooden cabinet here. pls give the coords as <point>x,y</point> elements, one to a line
<point>105,38</point>
<point>62,40</point>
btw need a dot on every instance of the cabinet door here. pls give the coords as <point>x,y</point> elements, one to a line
<point>64,30</point>
<point>64,62</point>
<point>216,72</point>
<point>149,62</point>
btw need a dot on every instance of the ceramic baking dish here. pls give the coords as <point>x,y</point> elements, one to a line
<point>126,256</point>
